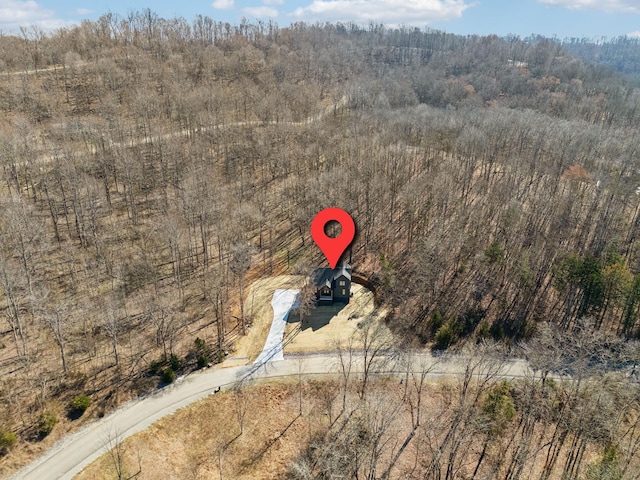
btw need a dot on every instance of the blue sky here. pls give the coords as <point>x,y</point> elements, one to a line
<point>562,18</point>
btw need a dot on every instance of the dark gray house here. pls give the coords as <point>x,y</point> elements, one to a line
<point>333,285</point>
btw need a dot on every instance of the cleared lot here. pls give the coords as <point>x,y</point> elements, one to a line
<point>329,326</point>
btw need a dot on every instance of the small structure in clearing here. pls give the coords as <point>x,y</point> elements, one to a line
<point>332,284</point>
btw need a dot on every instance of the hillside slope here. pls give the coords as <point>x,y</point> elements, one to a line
<point>151,169</point>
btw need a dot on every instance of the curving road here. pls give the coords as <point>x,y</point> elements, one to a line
<point>69,456</point>
<point>47,158</point>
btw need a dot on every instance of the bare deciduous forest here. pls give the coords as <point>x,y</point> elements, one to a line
<point>152,168</point>
<point>476,425</point>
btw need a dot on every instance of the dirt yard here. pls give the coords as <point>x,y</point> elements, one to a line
<point>320,332</point>
<point>328,326</point>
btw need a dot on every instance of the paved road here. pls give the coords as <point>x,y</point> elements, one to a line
<point>69,456</point>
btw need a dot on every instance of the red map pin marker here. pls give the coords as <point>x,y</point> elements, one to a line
<point>333,248</point>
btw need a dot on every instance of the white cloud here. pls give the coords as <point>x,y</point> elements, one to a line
<point>408,12</point>
<point>222,4</point>
<point>617,6</point>
<point>635,34</point>
<point>17,13</point>
<point>257,12</point>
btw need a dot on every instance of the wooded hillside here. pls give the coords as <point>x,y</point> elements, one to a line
<point>151,168</point>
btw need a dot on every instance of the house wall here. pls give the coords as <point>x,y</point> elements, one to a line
<point>338,296</point>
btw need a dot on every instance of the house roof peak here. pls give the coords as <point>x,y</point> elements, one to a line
<point>324,276</point>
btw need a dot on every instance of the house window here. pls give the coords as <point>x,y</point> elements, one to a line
<point>344,292</point>
<point>342,283</point>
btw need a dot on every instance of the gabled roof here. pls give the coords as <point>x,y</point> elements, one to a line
<point>322,277</point>
<point>344,269</point>
<point>325,276</point>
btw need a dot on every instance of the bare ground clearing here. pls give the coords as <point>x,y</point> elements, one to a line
<point>329,326</point>
<point>258,310</point>
<point>323,330</point>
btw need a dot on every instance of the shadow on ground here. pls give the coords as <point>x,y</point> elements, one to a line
<point>318,317</point>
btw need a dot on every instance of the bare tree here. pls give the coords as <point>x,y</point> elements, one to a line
<point>241,404</point>
<point>239,264</point>
<point>306,302</point>
<point>113,324</point>
<point>172,232</point>
<point>377,343</point>
<point>417,370</point>
<point>117,452</point>
<point>346,354</point>
<point>9,280</point>
<point>166,320</point>
<point>23,233</point>
<point>56,315</point>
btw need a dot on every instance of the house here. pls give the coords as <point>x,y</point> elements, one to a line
<point>333,285</point>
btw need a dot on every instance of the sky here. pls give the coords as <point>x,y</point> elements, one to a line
<point>594,19</point>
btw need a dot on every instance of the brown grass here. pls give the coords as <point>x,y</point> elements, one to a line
<point>197,441</point>
<point>203,441</point>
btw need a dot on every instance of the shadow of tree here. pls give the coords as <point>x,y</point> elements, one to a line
<point>260,453</point>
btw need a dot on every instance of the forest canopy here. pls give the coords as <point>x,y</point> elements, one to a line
<point>151,167</point>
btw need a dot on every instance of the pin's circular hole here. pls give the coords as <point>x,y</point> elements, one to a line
<point>332,229</point>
